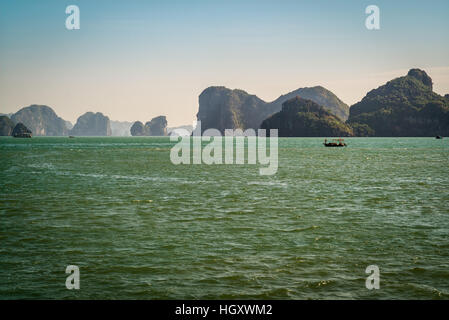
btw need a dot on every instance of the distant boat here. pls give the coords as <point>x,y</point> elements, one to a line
<point>71,137</point>
<point>438,137</point>
<point>335,143</point>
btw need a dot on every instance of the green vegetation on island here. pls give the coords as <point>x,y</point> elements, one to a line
<point>222,108</point>
<point>304,118</point>
<point>405,106</point>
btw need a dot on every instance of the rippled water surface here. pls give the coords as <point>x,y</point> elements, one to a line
<point>140,227</point>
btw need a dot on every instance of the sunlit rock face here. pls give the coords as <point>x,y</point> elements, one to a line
<point>41,120</point>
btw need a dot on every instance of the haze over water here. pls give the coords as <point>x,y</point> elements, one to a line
<point>140,227</point>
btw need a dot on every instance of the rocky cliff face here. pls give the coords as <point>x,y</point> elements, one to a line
<point>92,124</point>
<point>6,126</point>
<point>155,127</point>
<point>304,118</point>
<point>405,106</point>
<point>21,131</point>
<point>421,76</point>
<point>41,120</point>
<point>138,129</point>
<point>222,108</point>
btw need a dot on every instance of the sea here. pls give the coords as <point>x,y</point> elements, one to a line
<point>138,226</point>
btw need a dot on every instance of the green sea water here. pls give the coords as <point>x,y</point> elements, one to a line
<point>140,227</point>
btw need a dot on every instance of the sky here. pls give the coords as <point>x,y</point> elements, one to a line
<point>137,59</point>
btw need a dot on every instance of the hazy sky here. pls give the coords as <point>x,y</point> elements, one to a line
<point>133,60</point>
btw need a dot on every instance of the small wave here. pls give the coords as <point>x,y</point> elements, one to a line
<point>12,169</point>
<point>438,293</point>
<point>268,183</point>
<point>118,177</point>
<point>417,270</point>
<point>298,229</point>
<point>44,165</point>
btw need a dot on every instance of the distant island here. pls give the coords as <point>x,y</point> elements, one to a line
<point>21,131</point>
<point>405,106</point>
<point>41,120</point>
<point>222,108</point>
<point>92,124</point>
<point>155,127</point>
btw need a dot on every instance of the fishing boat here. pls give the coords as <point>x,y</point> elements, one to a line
<point>335,143</point>
<point>438,137</point>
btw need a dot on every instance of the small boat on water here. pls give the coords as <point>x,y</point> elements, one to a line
<point>335,143</point>
<point>438,137</point>
<point>71,137</point>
